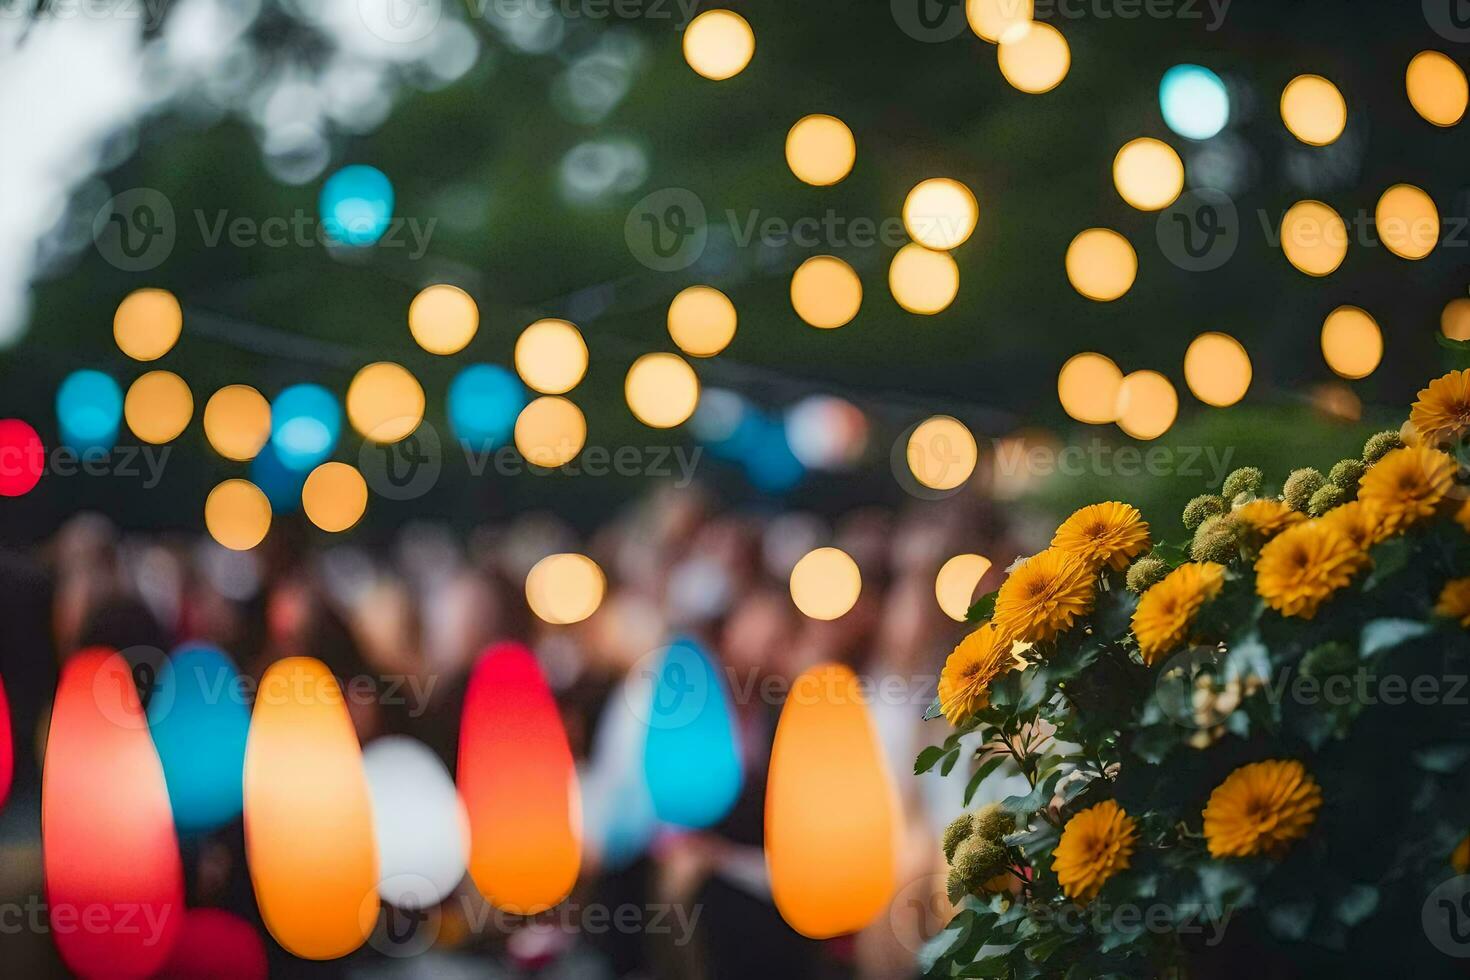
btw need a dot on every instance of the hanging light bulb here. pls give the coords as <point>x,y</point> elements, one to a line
<point>199,722</point>
<point>215,945</point>
<point>422,831</point>
<point>831,812</point>
<point>691,760</point>
<point>617,810</point>
<point>518,784</point>
<point>308,816</point>
<point>106,829</point>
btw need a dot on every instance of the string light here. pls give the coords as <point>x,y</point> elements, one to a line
<point>820,150</point>
<point>551,356</point>
<point>237,422</point>
<point>1087,387</point>
<point>941,452</point>
<point>305,425</point>
<point>158,406</point>
<point>923,280</point>
<point>89,408</point>
<point>1193,101</point>
<point>1101,264</point>
<point>147,324</point>
<point>356,205</point>
<point>718,44</point>
<point>334,496</point>
<point>484,400</point>
<point>1147,405</point>
<point>1437,88</point>
<point>237,514</point>
<point>940,213</point>
<point>992,20</point>
<point>200,736</point>
<point>825,292</point>
<point>662,390</point>
<point>564,589</point>
<point>1034,57</point>
<point>385,403</point>
<point>1217,369</point>
<point>1313,110</point>
<point>1352,343</point>
<point>550,431</point>
<point>691,754</point>
<point>825,583</point>
<point>954,586</point>
<point>1407,221</point>
<point>443,319</point>
<point>419,823</point>
<point>1314,238</point>
<point>24,461</point>
<point>1148,174</point>
<point>702,321</point>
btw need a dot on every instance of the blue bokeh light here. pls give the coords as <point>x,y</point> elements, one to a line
<point>1194,101</point>
<point>483,402</point>
<point>356,205</point>
<point>306,422</point>
<point>691,761</point>
<point>89,406</point>
<point>280,484</point>
<point>199,721</point>
<point>770,465</point>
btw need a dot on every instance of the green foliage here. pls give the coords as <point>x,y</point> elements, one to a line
<point>1379,445</point>
<point>1300,486</point>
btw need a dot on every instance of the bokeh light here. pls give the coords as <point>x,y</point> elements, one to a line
<point>199,726</point>
<point>1147,404</point>
<point>443,319</point>
<point>1352,343</point>
<point>940,213</point>
<point>820,150</point>
<point>237,422</point>
<point>334,496</point>
<point>483,402</point>
<point>1437,88</point>
<point>954,586</point>
<point>550,431</point>
<point>1407,221</point>
<point>691,756</point>
<point>826,433</point>
<point>1087,387</point>
<point>89,408</point>
<point>147,324</point>
<point>551,356</point>
<point>215,945</point>
<point>618,818</point>
<point>1454,319</point>
<point>1217,369</point>
<point>1314,238</point>
<point>419,823</point>
<point>829,799</point>
<point>356,205</point>
<point>1148,174</point>
<point>237,514</point>
<point>1101,264</point>
<point>1313,110</point>
<point>992,20</point>
<point>158,407</point>
<point>385,402</point>
<point>662,390</point>
<point>22,462</point>
<point>941,452</point>
<point>702,321</point>
<point>825,583</point>
<point>1194,101</point>
<point>825,292</point>
<point>305,425</point>
<point>565,588</point>
<point>280,483</point>
<point>1034,57</point>
<point>923,280</point>
<point>7,748</point>
<point>718,44</point>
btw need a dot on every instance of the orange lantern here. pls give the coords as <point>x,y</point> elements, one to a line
<point>831,809</point>
<point>114,882</point>
<point>308,816</point>
<point>519,785</point>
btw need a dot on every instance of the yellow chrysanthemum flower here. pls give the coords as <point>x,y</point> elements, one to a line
<point>1110,534</point>
<point>1045,595</point>
<point>1261,808</point>
<point>1454,601</point>
<point>1407,485</point>
<point>964,684</point>
<point>1096,844</point>
<point>1359,522</point>
<point>1267,518</point>
<point>1167,611</point>
<point>1301,567</point>
<point>1442,412</point>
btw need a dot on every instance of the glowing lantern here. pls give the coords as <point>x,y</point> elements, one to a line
<point>106,830</point>
<point>199,720</point>
<point>308,816</point>
<point>422,831</point>
<point>7,748</point>
<point>519,785</point>
<point>215,945</point>
<point>691,760</point>
<point>831,811</point>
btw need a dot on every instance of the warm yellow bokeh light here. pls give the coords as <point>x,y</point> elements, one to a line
<point>825,292</point>
<point>955,584</point>
<point>550,431</point>
<point>1314,238</point>
<point>443,319</point>
<point>992,20</point>
<point>702,321</point>
<point>1148,174</point>
<point>158,406</point>
<point>662,390</point>
<point>941,452</point>
<point>820,150</point>
<point>237,422</point>
<point>1313,109</point>
<point>147,324</point>
<point>1034,57</point>
<point>1352,344</point>
<point>1087,387</point>
<point>1407,221</point>
<point>1437,88</point>
<point>825,583</point>
<point>237,515</point>
<point>940,213</point>
<point>385,403</point>
<point>1147,404</point>
<point>1454,319</point>
<point>1217,369</point>
<point>565,589</point>
<point>923,280</point>
<point>1101,264</point>
<point>334,496</point>
<point>551,356</point>
<point>718,44</point>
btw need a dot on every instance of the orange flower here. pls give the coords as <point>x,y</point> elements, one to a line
<point>1044,596</point>
<point>1096,844</point>
<point>1267,518</point>
<point>1303,566</point>
<point>1359,522</point>
<point>964,684</point>
<point>1407,485</point>
<point>1442,412</point>
<point>1454,601</point>
<point>1110,534</point>
<point>1261,808</point>
<point>1167,611</point>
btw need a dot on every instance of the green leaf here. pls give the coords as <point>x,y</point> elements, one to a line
<point>1040,796</point>
<point>986,768</point>
<point>935,710</point>
<point>983,608</point>
<point>1389,558</point>
<point>949,761</point>
<point>1459,349</point>
<point>1385,634</point>
<point>928,758</point>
